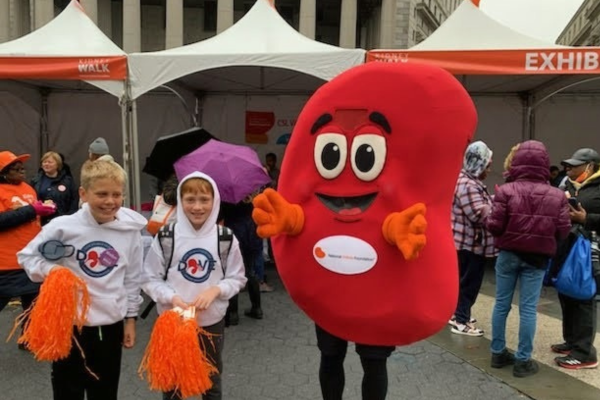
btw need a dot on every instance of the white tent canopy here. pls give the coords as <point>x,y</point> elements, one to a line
<point>49,90</point>
<point>262,38</point>
<point>71,37</point>
<point>523,88</point>
<point>469,28</point>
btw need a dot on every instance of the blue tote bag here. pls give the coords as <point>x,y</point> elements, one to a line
<point>575,278</point>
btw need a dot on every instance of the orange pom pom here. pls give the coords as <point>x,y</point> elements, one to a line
<point>174,360</point>
<point>63,302</point>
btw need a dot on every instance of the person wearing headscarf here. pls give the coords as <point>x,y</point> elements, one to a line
<point>471,207</point>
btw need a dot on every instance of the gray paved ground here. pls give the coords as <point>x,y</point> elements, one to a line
<point>275,358</point>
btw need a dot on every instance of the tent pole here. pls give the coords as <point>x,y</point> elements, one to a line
<point>528,132</point>
<point>193,116</point>
<point>531,105</point>
<point>125,138</point>
<point>44,139</point>
<point>135,158</point>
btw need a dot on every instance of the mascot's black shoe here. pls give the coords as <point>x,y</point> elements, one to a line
<point>255,313</point>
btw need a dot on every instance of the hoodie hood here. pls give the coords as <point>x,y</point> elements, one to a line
<point>127,219</point>
<point>477,157</point>
<point>184,226</point>
<point>530,162</point>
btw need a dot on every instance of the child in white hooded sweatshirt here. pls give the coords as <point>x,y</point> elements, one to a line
<point>196,277</point>
<point>102,244</point>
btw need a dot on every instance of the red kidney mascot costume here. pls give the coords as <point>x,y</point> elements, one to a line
<point>360,223</point>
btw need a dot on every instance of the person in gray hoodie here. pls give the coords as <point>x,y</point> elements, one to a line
<point>196,277</point>
<point>102,244</point>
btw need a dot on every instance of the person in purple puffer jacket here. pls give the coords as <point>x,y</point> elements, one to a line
<point>528,218</point>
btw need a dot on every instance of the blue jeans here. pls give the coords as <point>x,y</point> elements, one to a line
<point>510,269</point>
<point>259,267</point>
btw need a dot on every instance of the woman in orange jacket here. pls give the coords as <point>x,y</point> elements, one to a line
<point>19,224</point>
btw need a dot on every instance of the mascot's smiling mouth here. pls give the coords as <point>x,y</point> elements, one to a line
<point>349,208</point>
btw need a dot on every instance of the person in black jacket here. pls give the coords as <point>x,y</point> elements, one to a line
<point>54,183</point>
<point>579,316</point>
<point>238,218</point>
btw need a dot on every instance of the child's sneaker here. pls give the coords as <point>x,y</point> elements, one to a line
<point>452,321</point>
<point>468,330</point>
<point>569,362</point>
<point>500,360</point>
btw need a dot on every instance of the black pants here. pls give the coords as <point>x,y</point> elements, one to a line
<point>26,301</point>
<point>213,351</point>
<point>102,347</point>
<point>331,371</point>
<point>252,285</point>
<point>471,268</point>
<point>579,327</point>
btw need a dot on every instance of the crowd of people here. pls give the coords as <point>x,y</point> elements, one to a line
<point>526,226</point>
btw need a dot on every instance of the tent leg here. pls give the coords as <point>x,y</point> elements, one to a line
<point>135,159</point>
<point>528,130</point>
<point>125,137</point>
<point>44,134</point>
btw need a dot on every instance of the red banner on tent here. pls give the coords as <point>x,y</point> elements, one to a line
<point>500,62</point>
<point>64,68</point>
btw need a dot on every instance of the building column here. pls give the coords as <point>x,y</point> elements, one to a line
<point>43,12</point>
<point>4,21</point>
<point>174,30</point>
<point>348,24</point>
<point>19,19</point>
<point>224,15</point>
<point>91,9</point>
<point>308,18</point>
<point>132,26</point>
<point>386,26</point>
<point>105,17</point>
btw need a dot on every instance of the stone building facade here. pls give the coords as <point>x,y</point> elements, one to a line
<point>151,25</point>
<point>584,27</point>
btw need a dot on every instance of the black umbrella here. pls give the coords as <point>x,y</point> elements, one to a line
<point>171,148</point>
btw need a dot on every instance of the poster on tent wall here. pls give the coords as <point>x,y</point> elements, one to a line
<point>264,123</point>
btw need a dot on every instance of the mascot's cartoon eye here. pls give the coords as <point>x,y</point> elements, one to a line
<point>330,154</point>
<point>368,156</point>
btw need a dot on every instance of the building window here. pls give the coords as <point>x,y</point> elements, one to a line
<point>210,16</point>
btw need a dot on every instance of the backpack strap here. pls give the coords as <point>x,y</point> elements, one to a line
<point>166,239</point>
<point>224,240</point>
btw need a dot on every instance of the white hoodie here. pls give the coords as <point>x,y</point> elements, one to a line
<point>187,277</point>
<point>114,289</point>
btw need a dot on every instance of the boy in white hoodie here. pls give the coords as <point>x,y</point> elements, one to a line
<point>196,277</point>
<point>102,244</point>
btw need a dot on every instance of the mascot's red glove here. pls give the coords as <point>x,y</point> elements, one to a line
<point>371,152</point>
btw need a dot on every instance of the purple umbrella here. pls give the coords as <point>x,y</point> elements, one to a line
<point>236,169</point>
